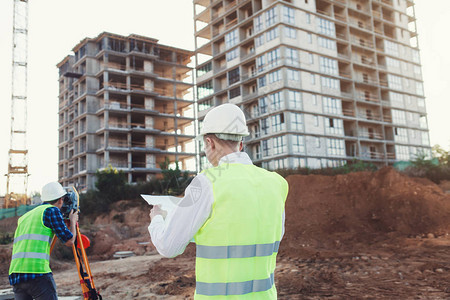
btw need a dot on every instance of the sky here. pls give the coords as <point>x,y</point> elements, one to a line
<point>56,26</point>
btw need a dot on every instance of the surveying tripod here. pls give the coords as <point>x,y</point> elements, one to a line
<point>71,202</point>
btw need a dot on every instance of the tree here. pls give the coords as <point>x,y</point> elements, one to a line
<point>110,187</point>
<point>174,181</point>
<point>441,154</point>
<point>111,183</point>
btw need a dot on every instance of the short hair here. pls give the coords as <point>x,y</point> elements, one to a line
<point>53,202</point>
<point>226,142</point>
<point>229,137</point>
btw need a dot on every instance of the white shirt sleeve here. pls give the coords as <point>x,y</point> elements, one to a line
<point>172,235</point>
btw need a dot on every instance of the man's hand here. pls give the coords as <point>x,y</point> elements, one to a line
<point>156,210</point>
<point>73,217</point>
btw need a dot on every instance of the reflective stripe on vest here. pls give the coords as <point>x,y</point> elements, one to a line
<point>234,288</point>
<point>218,252</point>
<point>31,255</point>
<point>32,236</point>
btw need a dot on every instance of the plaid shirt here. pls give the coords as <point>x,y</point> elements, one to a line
<point>52,219</point>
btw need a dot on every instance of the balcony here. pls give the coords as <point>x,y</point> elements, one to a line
<point>119,86</point>
<point>365,80</point>
<point>230,5</point>
<point>348,112</point>
<point>341,36</point>
<point>371,135</point>
<point>113,66</point>
<point>324,12</point>
<point>363,61</point>
<point>340,17</point>
<point>231,23</point>
<point>370,117</point>
<point>361,42</point>
<point>372,155</point>
<point>360,24</point>
<point>345,74</point>
<point>361,96</point>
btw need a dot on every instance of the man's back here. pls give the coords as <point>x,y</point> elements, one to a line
<point>239,242</point>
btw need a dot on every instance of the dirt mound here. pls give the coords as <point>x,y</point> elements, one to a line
<point>321,212</point>
<point>445,185</point>
<point>123,228</point>
<point>364,206</point>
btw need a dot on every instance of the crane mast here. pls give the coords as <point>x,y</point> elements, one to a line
<point>17,177</point>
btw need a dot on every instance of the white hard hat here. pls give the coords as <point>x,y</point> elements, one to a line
<point>52,191</point>
<point>226,119</point>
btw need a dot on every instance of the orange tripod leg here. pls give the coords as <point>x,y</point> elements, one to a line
<point>52,245</point>
<point>84,257</point>
<point>84,287</point>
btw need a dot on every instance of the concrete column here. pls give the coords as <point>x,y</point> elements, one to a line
<point>149,103</point>
<point>175,111</point>
<point>106,158</point>
<point>148,66</point>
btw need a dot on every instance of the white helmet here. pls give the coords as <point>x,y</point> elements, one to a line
<point>226,120</point>
<point>52,191</point>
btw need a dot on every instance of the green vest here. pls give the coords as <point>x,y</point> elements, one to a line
<point>31,249</point>
<point>237,246</point>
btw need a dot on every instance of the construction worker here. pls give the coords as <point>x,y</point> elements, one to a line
<point>29,272</point>
<point>233,211</point>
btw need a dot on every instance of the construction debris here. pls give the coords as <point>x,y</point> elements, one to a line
<point>123,254</point>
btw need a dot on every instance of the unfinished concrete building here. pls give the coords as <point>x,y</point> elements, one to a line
<point>323,82</point>
<point>125,102</point>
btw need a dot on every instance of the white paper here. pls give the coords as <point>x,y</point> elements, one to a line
<point>167,203</point>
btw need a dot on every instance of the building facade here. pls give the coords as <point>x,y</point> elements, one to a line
<point>323,82</point>
<point>125,102</point>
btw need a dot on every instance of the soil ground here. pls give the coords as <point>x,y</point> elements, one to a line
<point>363,235</point>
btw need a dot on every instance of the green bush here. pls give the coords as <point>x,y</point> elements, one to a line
<point>6,238</point>
<point>431,172</point>
<point>111,184</point>
<point>436,169</point>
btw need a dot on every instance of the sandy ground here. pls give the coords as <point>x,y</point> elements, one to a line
<point>415,268</point>
<point>358,236</point>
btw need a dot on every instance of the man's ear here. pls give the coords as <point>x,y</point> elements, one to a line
<point>241,146</point>
<point>211,142</point>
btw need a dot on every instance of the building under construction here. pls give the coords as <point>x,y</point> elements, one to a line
<point>323,82</point>
<point>125,102</point>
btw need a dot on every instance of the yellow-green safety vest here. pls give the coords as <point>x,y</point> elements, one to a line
<point>238,244</point>
<point>31,248</point>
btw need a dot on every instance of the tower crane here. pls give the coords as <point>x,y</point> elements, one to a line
<point>17,176</point>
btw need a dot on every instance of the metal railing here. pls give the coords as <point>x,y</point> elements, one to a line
<point>371,135</point>
<point>348,112</point>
